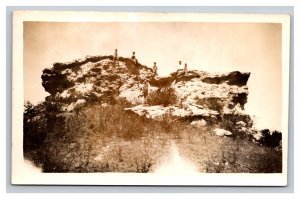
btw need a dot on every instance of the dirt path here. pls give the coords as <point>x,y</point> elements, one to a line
<point>175,164</point>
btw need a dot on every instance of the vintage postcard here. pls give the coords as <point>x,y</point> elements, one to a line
<point>102,98</point>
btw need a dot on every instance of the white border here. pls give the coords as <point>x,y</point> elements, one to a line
<point>19,177</point>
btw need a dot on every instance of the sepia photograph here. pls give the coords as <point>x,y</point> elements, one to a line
<point>150,98</point>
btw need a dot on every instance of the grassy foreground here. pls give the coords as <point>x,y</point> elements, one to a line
<point>108,139</point>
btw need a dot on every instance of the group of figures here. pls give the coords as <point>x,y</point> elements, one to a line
<point>134,59</point>
<point>154,68</point>
<point>116,58</point>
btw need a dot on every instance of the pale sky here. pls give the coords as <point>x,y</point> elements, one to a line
<point>213,47</point>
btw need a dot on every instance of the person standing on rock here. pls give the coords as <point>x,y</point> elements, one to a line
<point>185,68</point>
<point>134,58</point>
<point>180,64</point>
<point>133,55</point>
<point>154,69</point>
<point>116,58</point>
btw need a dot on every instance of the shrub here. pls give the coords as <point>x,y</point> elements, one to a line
<point>230,122</point>
<point>34,126</point>
<point>71,141</point>
<point>164,96</point>
<point>270,139</point>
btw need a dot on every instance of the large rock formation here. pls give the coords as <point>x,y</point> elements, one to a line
<point>97,78</point>
<point>199,95</point>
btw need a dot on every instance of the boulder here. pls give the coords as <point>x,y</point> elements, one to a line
<point>199,123</point>
<point>222,132</point>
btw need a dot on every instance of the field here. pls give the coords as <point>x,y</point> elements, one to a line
<point>108,139</point>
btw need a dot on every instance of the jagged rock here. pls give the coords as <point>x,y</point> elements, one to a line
<point>75,104</point>
<point>149,111</point>
<point>220,97</point>
<point>198,95</point>
<point>222,132</point>
<point>199,123</point>
<point>233,78</point>
<point>157,111</point>
<point>97,78</point>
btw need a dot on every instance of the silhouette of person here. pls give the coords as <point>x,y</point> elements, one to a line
<point>185,68</point>
<point>116,59</point>
<point>154,69</point>
<point>134,58</point>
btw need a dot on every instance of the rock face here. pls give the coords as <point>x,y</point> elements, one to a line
<point>97,78</point>
<point>199,95</point>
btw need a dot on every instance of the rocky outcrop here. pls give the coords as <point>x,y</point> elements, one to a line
<point>233,78</point>
<point>97,78</point>
<point>199,95</point>
<point>223,96</point>
<point>190,111</point>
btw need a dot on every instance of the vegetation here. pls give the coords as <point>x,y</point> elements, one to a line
<point>271,139</point>
<point>73,142</point>
<point>164,96</point>
<point>231,122</point>
<point>98,138</point>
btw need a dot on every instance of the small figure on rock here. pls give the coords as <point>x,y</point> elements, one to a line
<point>116,58</point>
<point>180,64</point>
<point>154,69</point>
<point>185,68</point>
<point>116,53</point>
<point>133,55</point>
<point>134,58</point>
